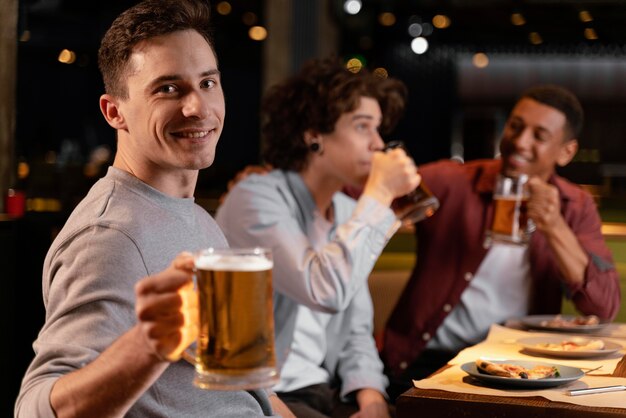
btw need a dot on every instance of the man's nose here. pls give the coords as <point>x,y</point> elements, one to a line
<point>524,139</point>
<point>195,105</point>
<point>377,141</point>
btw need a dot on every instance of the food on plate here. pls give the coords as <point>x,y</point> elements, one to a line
<point>515,371</point>
<point>561,322</point>
<point>570,345</point>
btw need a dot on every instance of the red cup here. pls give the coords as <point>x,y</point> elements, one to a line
<point>15,203</point>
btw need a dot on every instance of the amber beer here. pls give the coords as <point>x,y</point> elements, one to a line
<point>510,220</point>
<point>235,348</point>
<point>510,217</point>
<point>416,205</point>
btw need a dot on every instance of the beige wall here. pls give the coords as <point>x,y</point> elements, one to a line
<point>8,69</point>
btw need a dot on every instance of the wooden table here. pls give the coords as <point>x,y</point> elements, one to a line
<point>431,403</point>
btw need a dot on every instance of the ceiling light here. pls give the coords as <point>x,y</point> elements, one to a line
<point>25,36</point>
<point>224,8</point>
<point>441,21</point>
<point>381,72</point>
<point>480,60</point>
<point>415,30</point>
<point>67,56</point>
<point>257,33</point>
<point>517,19</point>
<point>427,29</point>
<point>387,19</point>
<point>354,65</point>
<point>535,38</point>
<point>352,6</point>
<point>590,33</point>
<point>585,16</point>
<point>419,45</point>
<point>249,18</point>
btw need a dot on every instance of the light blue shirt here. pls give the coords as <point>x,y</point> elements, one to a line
<point>277,211</point>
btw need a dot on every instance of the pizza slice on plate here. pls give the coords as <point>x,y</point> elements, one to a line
<point>565,322</point>
<point>515,371</point>
<point>570,345</point>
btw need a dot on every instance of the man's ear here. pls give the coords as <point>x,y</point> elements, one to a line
<point>111,111</point>
<point>310,136</point>
<point>567,152</point>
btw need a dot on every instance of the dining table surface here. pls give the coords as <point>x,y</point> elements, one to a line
<point>454,391</point>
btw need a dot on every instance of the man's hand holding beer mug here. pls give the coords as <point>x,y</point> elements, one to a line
<point>167,308</point>
<point>544,205</point>
<point>228,312</point>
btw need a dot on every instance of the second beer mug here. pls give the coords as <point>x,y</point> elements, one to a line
<point>416,205</point>
<point>510,221</point>
<point>235,346</point>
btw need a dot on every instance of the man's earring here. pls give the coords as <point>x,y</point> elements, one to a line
<point>315,146</point>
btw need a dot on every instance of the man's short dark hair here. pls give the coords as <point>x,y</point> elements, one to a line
<point>146,20</point>
<point>563,100</point>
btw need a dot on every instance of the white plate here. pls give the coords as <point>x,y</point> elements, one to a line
<point>566,374</point>
<point>531,345</point>
<point>538,322</point>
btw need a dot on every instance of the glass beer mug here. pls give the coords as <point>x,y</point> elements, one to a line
<point>511,224</point>
<point>416,205</point>
<point>235,344</point>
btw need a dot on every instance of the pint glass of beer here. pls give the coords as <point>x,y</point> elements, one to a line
<point>510,220</point>
<point>416,205</point>
<point>235,347</point>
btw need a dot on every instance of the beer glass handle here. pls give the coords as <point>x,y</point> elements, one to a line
<point>189,356</point>
<point>190,298</point>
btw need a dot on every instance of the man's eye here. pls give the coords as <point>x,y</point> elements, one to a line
<point>167,88</point>
<point>208,84</point>
<point>541,136</point>
<point>515,126</point>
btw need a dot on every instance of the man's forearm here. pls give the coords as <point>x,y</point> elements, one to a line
<point>571,257</point>
<point>112,383</point>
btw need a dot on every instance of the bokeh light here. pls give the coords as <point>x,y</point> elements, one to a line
<point>249,18</point>
<point>387,19</point>
<point>354,65</point>
<point>480,60</point>
<point>535,38</point>
<point>517,19</point>
<point>67,56</point>
<point>381,72</point>
<point>257,33</point>
<point>590,33</point>
<point>224,8</point>
<point>419,45</point>
<point>441,21</point>
<point>352,6</point>
<point>415,29</point>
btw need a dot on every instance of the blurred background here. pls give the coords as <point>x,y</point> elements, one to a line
<point>464,61</point>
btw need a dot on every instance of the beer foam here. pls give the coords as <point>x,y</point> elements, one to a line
<point>233,262</point>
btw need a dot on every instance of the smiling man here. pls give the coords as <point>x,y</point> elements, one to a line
<point>114,324</point>
<point>458,288</point>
